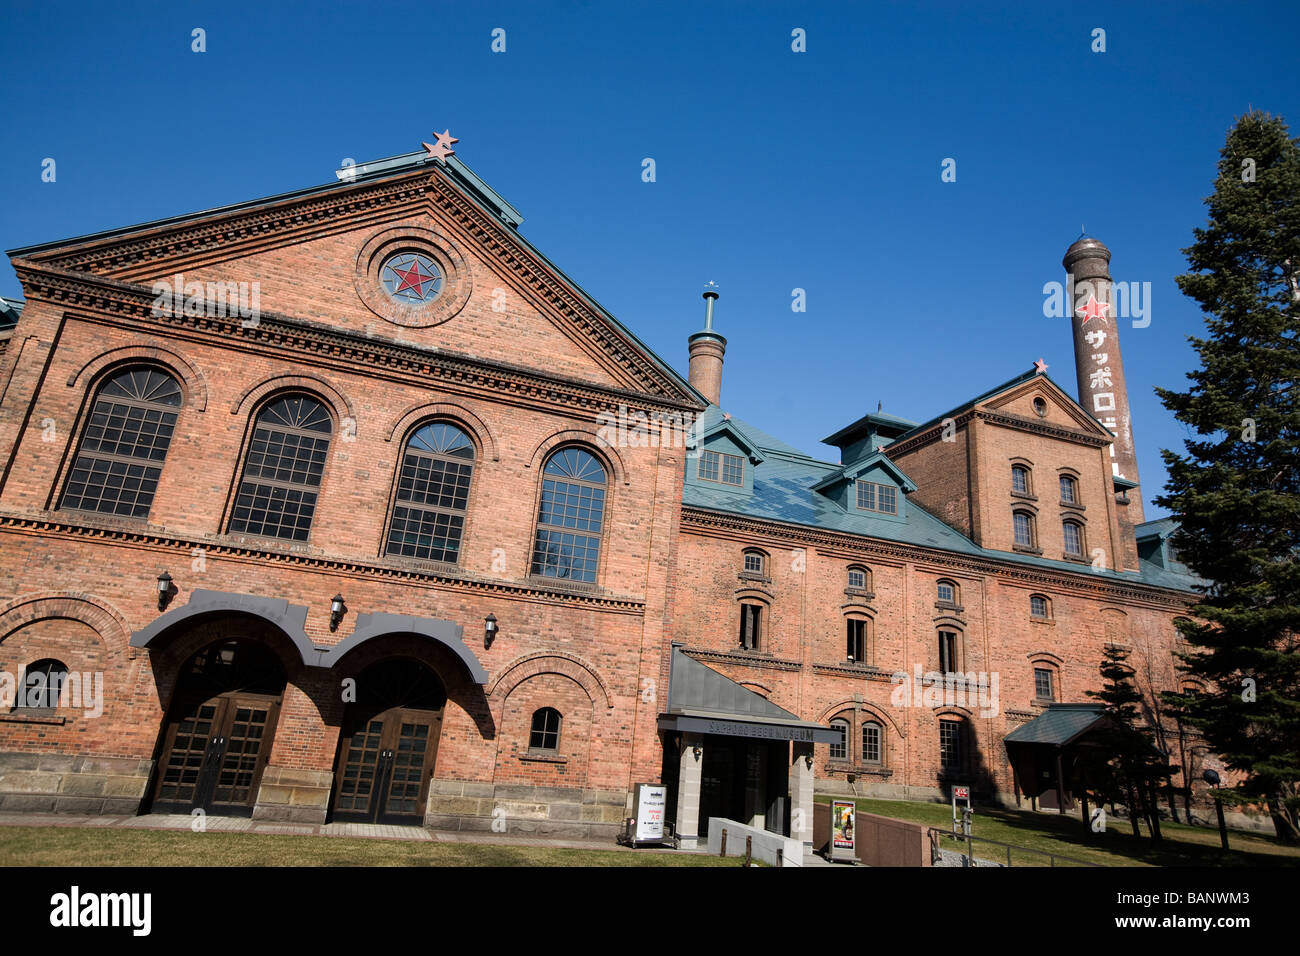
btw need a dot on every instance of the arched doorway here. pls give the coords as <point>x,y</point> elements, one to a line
<point>388,744</point>
<point>219,729</point>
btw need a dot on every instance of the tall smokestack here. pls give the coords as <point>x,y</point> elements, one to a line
<point>1097,360</point>
<point>706,349</point>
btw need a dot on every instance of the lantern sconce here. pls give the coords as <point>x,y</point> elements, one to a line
<point>490,629</point>
<point>337,608</point>
<point>165,590</point>
<point>698,751</point>
<point>808,760</point>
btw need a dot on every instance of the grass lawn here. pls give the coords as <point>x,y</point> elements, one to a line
<point>98,846</point>
<point>1066,835</point>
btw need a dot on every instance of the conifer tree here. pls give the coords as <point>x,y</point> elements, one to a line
<point>1235,493</point>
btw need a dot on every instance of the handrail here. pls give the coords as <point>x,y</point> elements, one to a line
<point>936,832</point>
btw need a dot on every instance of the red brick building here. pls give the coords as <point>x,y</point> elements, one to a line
<point>357,508</point>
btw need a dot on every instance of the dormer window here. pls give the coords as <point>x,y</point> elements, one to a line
<point>722,468</point>
<point>873,496</point>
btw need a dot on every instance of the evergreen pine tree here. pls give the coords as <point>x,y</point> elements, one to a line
<point>1236,491</point>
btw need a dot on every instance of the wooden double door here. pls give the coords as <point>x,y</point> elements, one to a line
<point>385,765</point>
<point>214,752</point>
<point>388,744</point>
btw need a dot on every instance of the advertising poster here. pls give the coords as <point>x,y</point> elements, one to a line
<point>842,827</point>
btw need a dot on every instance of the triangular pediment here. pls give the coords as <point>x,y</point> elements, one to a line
<point>1058,408</point>
<point>320,256</point>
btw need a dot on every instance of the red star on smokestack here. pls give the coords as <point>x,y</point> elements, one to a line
<point>1093,309</point>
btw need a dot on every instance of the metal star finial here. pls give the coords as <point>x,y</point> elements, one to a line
<point>442,148</point>
<point>1041,367</point>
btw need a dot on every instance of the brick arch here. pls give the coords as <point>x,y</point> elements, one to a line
<point>760,689</point>
<point>340,404</point>
<point>952,710</point>
<point>550,662</point>
<point>96,613</point>
<point>591,440</point>
<point>196,386</point>
<point>474,425</point>
<point>886,719</point>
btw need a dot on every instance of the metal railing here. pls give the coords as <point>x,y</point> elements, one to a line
<point>969,852</point>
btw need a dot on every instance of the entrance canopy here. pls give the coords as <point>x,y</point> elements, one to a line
<point>702,701</point>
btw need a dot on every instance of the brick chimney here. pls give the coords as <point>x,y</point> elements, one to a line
<point>706,350</point>
<point>1100,371</point>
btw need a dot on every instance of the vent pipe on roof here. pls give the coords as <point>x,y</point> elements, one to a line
<point>706,349</point>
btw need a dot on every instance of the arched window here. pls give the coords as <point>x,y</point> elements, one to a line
<point>840,748</point>
<point>286,459</point>
<point>1073,538</point>
<point>1044,682</point>
<point>947,593</point>
<point>1020,479</point>
<point>754,561</point>
<point>545,733</point>
<point>1023,523</point>
<point>432,494</point>
<point>872,735</point>
<point>951,651</point>
<point>124,444</point>
<point>859,578</point>
<point>1069,490</point>
<point>751,627</point>
<point>570,518</point>
<point>41,685</point>
<point>859,640</point>
<point>1040,607</point>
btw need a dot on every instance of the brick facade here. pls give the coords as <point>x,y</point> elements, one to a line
<point>517,357</point>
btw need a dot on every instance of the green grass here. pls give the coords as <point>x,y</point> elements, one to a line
<point>1066,835</point>
<point>95,846</point>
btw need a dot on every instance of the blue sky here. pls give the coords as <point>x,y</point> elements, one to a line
<point>775,170</point>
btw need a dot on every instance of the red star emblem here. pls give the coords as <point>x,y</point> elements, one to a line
<point>412,279</point>
<point>1093,310</point>
<point>441,149</point>
<point>1041,367</point>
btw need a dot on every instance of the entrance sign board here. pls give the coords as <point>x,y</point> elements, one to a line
<point>961,793</point>
<point>651,801</point>
<point>842,830</point>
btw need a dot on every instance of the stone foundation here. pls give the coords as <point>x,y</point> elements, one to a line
<point>60,783</point>
<point>558,812</point>
<point>293,796</point>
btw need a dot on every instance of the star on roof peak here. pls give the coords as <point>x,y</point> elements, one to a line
<point>441,149</point>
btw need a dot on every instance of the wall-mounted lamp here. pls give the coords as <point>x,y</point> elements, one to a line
<point>490,629</point>
<point>336,612</point>
<point>807,760</point>
<point>698,751</point>
<point>164,590</point>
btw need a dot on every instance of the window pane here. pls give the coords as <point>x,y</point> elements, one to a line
<point>1020,481</point>
<point>1067,490</point>
<point>285,463</point>
<point>871,743</point>
<point>1038,606</point>
<point>1073,539</point>
<point>888,499</point>
<point>840,748</point>
<point>866,496</point>
<point>1043,683</point>
<point>1024,530</point>
<point>949,744</point>
<point>709,465</point>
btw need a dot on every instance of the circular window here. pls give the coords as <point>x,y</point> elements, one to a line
<point>411,278</point>
<point>1040,408</point>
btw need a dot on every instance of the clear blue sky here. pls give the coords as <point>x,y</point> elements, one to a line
<point>775,169</point>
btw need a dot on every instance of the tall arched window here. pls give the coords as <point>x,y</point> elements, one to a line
<point>286,459</point>
<point>570,518</point>
<point>124,444</point>
<point>872,736</point>
<point>1020,479</point>
<point>1023,523</point>
<point>432,494</point>
<point>1073,533</point>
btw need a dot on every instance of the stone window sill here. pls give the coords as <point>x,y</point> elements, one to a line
<point>1076,558</point>
<point>1023,496</point>
<point>949,606</point>
<point>1073,506</point>
<point>543,756</point>
<point>1026,550</point>
<point>1041,620</point>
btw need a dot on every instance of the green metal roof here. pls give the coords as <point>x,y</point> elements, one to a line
<point>1059,725</point>
<point>10,309</point>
